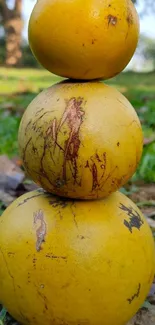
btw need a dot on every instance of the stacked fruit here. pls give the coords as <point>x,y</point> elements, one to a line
<point>64,259</point>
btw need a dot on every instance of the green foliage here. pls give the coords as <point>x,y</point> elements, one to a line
<point>2,316</point>
<point>11,110</point>
<point>8,134</point>
<point>146,169</point>
<point>144,102</point>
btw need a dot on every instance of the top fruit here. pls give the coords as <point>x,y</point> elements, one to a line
<point>84,39</point>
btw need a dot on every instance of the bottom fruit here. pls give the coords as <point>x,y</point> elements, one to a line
<point>66,262</point>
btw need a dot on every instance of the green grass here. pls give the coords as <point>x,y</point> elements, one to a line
<point>19,86</point>
<point>19,80</point>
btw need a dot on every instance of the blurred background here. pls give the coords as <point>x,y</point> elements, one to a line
<point>21,78</point>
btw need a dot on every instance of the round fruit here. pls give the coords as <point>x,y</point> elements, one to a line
<point>80,140</point>
<point>74,262</point>
<point>84,39</point>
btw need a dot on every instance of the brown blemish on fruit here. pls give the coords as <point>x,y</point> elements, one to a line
<point>34,125</point>
<point>93,41</point>
<point>34,263</point>
<point>45,301</point>
<point>135,220</point>
<point>39,111</point>
<point>28,124</point>
<point>59,202</point>
<point>43,173</point>
<point>74,215</point>
<point>29,277</point>
<point>129,18</point>
<point>34,149</point>
<point>41,231</point>
<point>103,165</point>
<point>95,177</point>
<point>98,158</point>
<point>11,254</point>
<point>56,257</point>
<point>42,169</point>
<point>94,167</point>
<point>25,151</point>
<point>40,193</point>
<point>86,73</point>
<point>81,237</point>
<point>66,285</point>
<point>73,118</point>
<point>107,178</point>
<point>112,20</point>
<point>136,295</point>
<point>87,164</point>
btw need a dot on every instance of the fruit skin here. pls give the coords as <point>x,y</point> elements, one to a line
<point>74,262</point>
<point>80,140</point>
<point>84,39</point>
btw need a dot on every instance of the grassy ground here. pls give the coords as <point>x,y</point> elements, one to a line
<point>19,87</point>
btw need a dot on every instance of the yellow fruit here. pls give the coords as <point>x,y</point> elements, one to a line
<point>84,39</point>
<point>74,262</point>
<point>80,140</point>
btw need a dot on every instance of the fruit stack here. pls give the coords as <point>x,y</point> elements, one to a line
<point>77,251</point>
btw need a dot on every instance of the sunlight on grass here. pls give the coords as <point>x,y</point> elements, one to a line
<point>20,80</point>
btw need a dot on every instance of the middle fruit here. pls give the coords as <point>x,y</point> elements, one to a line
<point>80,140</point>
